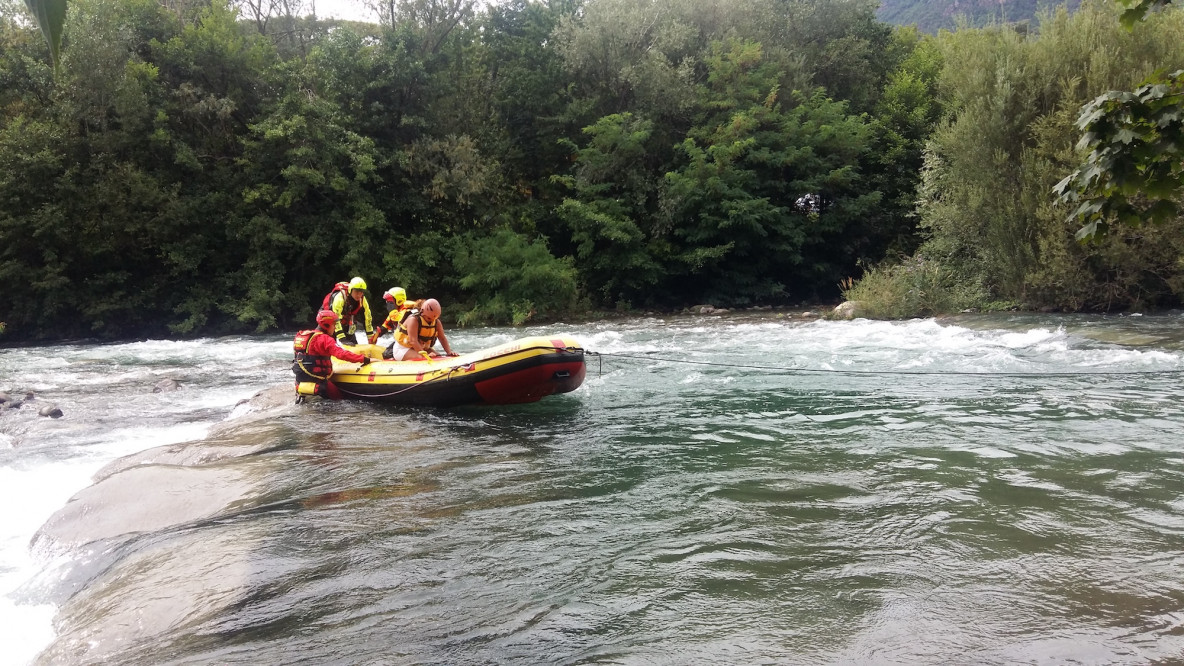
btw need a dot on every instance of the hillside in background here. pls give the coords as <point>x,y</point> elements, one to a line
<point>933,15</point>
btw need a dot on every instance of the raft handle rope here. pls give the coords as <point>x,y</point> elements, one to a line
<point>953,373</point>
<point>402,390</point>
<point>454,368</point>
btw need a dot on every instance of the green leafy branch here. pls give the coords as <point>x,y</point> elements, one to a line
<point>1135,169</point>
<point>1136,10</point>
<point>51,18</point>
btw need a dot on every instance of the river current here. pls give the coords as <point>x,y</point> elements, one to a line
<point>741,489</point>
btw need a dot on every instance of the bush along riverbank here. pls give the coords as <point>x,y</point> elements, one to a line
<point>994,240</point>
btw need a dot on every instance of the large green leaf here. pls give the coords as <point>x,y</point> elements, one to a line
<point>51,17</point>
<point>1137,10</point>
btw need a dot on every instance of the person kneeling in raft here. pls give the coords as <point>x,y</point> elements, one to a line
<point>398,307</point>
<point>417,334</point>
<point>315,349</point>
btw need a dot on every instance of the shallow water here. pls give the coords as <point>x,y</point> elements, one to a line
<point>748,489</point>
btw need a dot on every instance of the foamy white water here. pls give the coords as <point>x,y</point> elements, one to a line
<point>110,410</point>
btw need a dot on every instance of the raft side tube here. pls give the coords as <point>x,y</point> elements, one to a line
<point>525,370</point>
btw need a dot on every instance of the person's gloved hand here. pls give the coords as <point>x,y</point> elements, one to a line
<point>365,360</point>
<point>372,338</point>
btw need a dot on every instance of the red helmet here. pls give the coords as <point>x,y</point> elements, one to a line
<point>430,308</point>
<point>327,318</point>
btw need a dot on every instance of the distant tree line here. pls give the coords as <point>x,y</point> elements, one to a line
<point>198,168</point>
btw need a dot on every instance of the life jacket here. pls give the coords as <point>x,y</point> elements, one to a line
<point>405,311</point>
<point>315,366</point>
<point>397,315</point>
<point>427,332</point>
<point>349,307</point>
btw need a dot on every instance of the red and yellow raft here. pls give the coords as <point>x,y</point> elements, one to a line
<point>525,370</point>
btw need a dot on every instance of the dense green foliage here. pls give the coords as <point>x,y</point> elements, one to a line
<point>192,169</point>
<point>995,233</point>
<point>196,170</point>
<point>1135,172</point>
<point>1135,169</point>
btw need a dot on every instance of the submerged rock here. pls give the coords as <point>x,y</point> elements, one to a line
<point>9,403</point>
<point>147,562</point>
<point>249,431</point>
<point>51,411</point>
<point>268,398</point>
<point>146,498</point>
<point>193,578</point>
<point>166,386</point>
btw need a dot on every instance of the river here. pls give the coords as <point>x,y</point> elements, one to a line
<point>748,488</point>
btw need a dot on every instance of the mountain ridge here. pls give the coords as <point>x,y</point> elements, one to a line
<point>933,15</point>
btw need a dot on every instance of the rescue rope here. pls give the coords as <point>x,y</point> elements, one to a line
<point>952,373</point>
<point>402,390</point>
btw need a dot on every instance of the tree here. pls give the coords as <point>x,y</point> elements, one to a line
<point>994,236</point>
<point>308,208</point>
<point>527,93</point>
<point>905,116</point>
<point>512,278</point>
<point>1136,10</point>
<point>769,187</point>
<point>609,212</point>
<point>1135,169</point>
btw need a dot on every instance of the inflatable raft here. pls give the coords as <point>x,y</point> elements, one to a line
<point>525,370</point>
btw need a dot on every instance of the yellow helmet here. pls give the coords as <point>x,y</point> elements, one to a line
<point>357,283</point>
<point>396,295</point>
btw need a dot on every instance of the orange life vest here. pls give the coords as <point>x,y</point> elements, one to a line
<point>427,332</point>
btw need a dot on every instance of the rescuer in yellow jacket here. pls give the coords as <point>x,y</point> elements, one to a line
<point>398,307</point>
<point>348,300</point>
